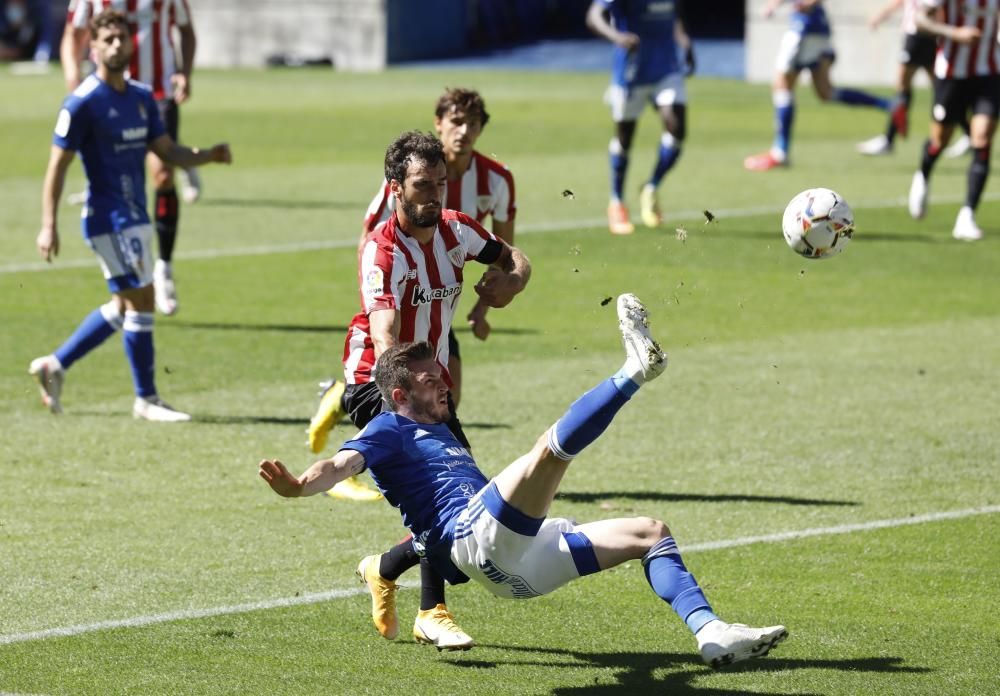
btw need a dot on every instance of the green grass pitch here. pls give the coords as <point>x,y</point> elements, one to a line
<point>801,395</point>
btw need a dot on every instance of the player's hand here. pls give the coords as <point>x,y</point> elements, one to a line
<point>497,288</point>
<point>689,62</point>
<point>477,321</point>
<point>966,35</point>
<point>280,479</point>
<point>48,242</point>
<point>220,153</point>
<point>182,87</point>
<point>627,40</point>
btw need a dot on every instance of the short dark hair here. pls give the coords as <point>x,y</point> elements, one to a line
<point>461,99</point>
<point>409,147</point>
<point>393,368</point>
<point>109,18</point>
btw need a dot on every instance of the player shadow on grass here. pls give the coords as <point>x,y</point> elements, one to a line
<point>210,419</point>
<point>635,672</point>
<point>932,236</point>
<point>574,497</point>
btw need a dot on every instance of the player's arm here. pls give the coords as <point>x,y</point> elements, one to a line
<point>180,156</point>
<point>181,80</point>
<point>929,22</point>
<point>72,48</point>
<point>507,276</point>
<point>55,179</point>
<point>477,315</point>
<point>884,13</point>
<point>321,476</point>
<point>384,327</point>
<point>683,40</point>
<point>599,22</point>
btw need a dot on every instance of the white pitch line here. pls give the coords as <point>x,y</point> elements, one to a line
<point>316,597</point>
<point>537,228</point>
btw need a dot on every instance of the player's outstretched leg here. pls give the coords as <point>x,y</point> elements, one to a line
<point>720,643</point>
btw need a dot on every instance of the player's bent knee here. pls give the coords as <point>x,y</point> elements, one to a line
<point>650,530</point>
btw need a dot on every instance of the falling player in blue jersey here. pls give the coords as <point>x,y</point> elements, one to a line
<point>497,531</point>
<point>112,122</point>
<point>649,39</point>
<point>807,45</point>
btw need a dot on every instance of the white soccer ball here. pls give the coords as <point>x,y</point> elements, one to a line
<point>818,223</point>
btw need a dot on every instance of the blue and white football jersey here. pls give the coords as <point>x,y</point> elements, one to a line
<point>111,130</point>
<point>812,21</point>
<point>656,56</point>
<point>425,472</point>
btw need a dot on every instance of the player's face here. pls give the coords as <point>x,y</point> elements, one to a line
<point>112,47</point>
<point>458,131</point>
<point>428,395</point>
<point>421,195</point>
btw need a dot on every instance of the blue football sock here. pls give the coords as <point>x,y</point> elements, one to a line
<point>138,341</point>
<point>855,97</point>
<point>619,164</point>
<point>589,416</point>
<point>784,117</point>
<point>669,152</point>
<point>98,326</point>
<point>672,582</point>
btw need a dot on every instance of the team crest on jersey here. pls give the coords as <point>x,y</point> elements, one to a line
<point>457,256</point>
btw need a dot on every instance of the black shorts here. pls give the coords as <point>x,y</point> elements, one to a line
<point>919,50</point>
<point>364,401</point>
<point>954,100</point>
<point>453,345</point>
<point>170,115</point>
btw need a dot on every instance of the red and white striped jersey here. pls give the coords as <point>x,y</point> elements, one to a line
<point>959,61</point>
<point>151,23</point>
<point>422,282</point>
<point>486,188</point>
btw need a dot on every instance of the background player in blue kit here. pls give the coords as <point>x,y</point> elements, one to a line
<point>649,38</point>
<point>807,44</point>
<point>112,122</point>
<point>497,531</point>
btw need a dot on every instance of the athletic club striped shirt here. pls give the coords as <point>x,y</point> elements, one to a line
<point>151,23</point>
<point>959,61</point>
<point>422,282</point>
<point>486,188</point>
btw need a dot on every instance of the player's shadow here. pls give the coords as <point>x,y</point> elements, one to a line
<point>498,330</point>
<point>867,235</point>
<point>637,672</point>
<point>279,203</point>
<point>243,326</point>
<point>209,419</point>
<point>660,496</point>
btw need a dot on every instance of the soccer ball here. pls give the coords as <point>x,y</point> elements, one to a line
<point>818,223</point>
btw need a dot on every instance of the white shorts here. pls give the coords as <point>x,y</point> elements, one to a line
<point>799,51</point>
<point>515,556</point>
<point>126,257</point>
<point>627,102</point>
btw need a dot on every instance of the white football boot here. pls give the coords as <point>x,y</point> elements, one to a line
<point>437,627</point>
<point>723,644</point>
<point>155,409</point>
<point>164,290</point>
<point>50,375</point>
<point>966,228</point>
<point>645,360</point>
<point>879,145</point>
<point>918,196</point>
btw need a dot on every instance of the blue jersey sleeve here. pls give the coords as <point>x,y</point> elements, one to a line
<point>156,127</point>
<point>71,125</point>
<point>376,442</point>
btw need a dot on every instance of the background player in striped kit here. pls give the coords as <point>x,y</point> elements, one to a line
<point>807,44</point>
<point>154,63</point>
<point>113,122</point>
<point>917,53</point>
<point>967,79</point>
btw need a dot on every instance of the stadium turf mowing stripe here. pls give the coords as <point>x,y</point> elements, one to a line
<point>528,228</point>
<point>316,597</point>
